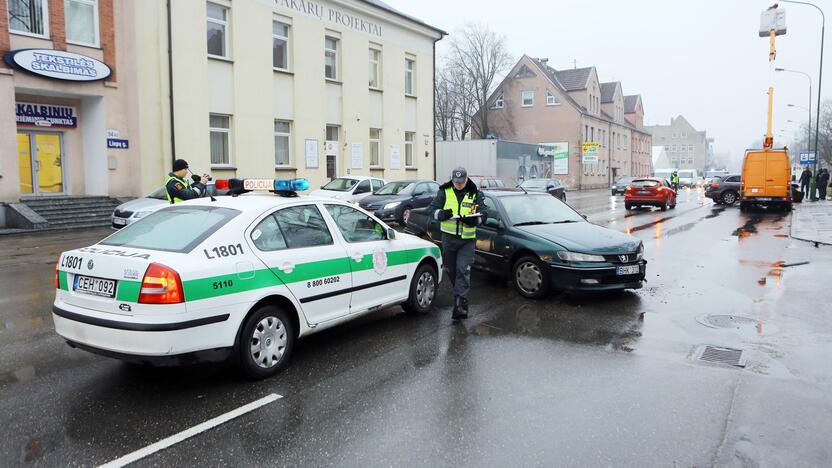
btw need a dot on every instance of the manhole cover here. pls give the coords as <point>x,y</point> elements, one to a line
<point>726,321</point>
<point>728,356</point>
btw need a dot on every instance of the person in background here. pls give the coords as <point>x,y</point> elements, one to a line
<point>177,186</point>
<point>456,209</point>
<point>805,181</point>
<point>823,183</point>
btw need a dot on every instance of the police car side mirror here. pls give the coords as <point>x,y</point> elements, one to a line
<point>391,234</point>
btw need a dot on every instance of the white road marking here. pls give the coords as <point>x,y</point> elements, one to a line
<point>188,433</point>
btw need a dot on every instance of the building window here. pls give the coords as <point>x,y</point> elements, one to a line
<point>675,135</point>
<point>217,30</point>
<point>409,137</point>
<point>672,148</point>
<point>551,99</point>
<point>331,58</point>
<point>499,103</point>
<point>28,17</point>
<point>528,98</point>
<point>282,143</point>
<point>220,131</point>
<point>82,22</point>
<point>280,45</point>
<point>586,132</point>
<point>375,68</point>
<point>690,148</point>
<point>591,133</point>
<point>684,134</point>
<point>409,67</point>
<point>332,133</point>
<point>375,147</point>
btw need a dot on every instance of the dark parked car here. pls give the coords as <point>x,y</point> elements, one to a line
<point>486,182</point>
<point>621,185</point>
<point>541,243</point>
<point>394,200</point>
<point>551,186</point>
<point>725,190</point>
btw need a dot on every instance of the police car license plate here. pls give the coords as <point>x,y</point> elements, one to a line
<point>95,286</point>
<point>119,221</point>
<point>627,270</point>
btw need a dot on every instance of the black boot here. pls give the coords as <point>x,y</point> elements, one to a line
<point>458,313</point>
<point>463,308</point>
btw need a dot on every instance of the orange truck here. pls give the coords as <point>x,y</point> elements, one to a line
<point>765,179</point>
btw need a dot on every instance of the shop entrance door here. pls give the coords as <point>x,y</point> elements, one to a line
<point>40,157</point>
<point>330,167</point>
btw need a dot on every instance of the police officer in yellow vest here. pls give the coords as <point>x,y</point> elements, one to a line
<point>178,185</point>
<point>454,206</point>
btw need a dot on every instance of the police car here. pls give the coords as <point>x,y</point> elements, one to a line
<point>238,277</point>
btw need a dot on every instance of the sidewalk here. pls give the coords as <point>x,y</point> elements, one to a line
<point>812,221</point>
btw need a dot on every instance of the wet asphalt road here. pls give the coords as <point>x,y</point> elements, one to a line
<point>573,380</point>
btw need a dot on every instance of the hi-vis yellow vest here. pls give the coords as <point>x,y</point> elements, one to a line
<point>187,184</point>
<point>455,226</point>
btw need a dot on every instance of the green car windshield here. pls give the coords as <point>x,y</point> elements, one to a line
<point>538,209</point>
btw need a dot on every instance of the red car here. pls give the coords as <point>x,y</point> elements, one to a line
<point>651,191</point>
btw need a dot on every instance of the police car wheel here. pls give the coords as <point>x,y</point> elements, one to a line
<point>266,343</point>
<point>531,277</point>
<point>422,291</point>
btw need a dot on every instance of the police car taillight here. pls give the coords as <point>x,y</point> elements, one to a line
<point>161,285</point>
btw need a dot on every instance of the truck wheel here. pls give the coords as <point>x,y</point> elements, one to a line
<point>729,198</point>
<point>422,291</point>
<point>531,277</point>
<point>266,342</point>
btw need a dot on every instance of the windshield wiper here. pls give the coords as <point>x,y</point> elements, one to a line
<point>565,221</point>
<point>531,223</point>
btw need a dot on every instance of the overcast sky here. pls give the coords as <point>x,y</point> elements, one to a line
<point>702,59</point>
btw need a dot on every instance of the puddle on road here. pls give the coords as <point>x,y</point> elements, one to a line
<point>715,212</point>
<point>748,229</point>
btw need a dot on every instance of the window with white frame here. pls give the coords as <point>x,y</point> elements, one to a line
<point>672,148</point>
<point>375,68</point>
<point>690,148</point>
<point>624,142</point>
<point>219,128</point>
<point>81,22</point>
<point>675,135</point>
<point>331,58</point>
<point>499,103</point>
<point>551,99</point>
<point>332,132</point>
<point>684,134</point>
<point>375,147</point>
<point>409,138</point>
<point>29,17</point>
<point>217,30</point>
<point>280,45</point>
<point>528,98</point>
<point>409,69</point>
<point>282,143</point>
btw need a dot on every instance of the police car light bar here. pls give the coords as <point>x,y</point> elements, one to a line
<point>280,186</point>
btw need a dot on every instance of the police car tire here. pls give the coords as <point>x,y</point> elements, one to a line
<point>248,367</point>
<point>412,306</point>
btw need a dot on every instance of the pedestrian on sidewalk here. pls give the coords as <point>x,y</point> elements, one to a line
<point>805,181</point>
<point>823,182</point>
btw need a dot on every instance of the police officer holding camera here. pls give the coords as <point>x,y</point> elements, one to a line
<point>456,208</point>
<point>178,187</point>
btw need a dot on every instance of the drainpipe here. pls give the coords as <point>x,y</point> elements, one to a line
<point>170,84</point>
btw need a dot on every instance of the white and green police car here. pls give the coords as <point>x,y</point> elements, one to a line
<point>239,277</point>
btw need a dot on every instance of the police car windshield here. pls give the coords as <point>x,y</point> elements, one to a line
<point>173,229</point>
<point>340,185</point>
<point>394,188</point>
<point>538,209</point>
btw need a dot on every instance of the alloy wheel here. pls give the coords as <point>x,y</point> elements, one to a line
<point>529,277</point>
<point>425,289</point>
<point>268,342</point>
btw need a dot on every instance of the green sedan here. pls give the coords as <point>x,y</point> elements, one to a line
<point>542,244</point>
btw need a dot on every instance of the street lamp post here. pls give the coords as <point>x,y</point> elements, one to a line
<point>820,83</point>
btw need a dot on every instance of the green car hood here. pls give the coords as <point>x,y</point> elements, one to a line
<point>584,237</point>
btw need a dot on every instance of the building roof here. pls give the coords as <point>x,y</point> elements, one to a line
<point>388,8</point>
<point>630,103</point>
<point>608,91</point>
<point>574,79</point>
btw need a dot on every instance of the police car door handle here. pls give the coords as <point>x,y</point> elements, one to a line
<point>287,267</point>
<point>357,257</point>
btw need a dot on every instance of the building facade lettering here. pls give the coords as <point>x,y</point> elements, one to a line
<point>331,15</point>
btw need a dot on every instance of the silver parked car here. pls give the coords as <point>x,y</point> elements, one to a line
<point>129,212</point>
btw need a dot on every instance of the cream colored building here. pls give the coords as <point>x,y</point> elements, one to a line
<point>285,88</point>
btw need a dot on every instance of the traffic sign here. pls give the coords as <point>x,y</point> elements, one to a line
<point>807,158</point>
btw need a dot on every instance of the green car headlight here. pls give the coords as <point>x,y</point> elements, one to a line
<point>579,257</point>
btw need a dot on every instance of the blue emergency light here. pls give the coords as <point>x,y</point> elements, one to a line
<point>286,187</point>
<point>290,185</point>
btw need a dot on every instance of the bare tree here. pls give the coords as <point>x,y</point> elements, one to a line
<point>478,56</point>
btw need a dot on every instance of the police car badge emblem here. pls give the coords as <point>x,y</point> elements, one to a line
<point>379,261</point>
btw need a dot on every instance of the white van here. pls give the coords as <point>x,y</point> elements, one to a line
<point>689,178</point>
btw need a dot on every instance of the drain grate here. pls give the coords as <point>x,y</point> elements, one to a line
<point>729,356</point>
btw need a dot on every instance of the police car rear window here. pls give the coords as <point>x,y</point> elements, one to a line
<point>173,229</point>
